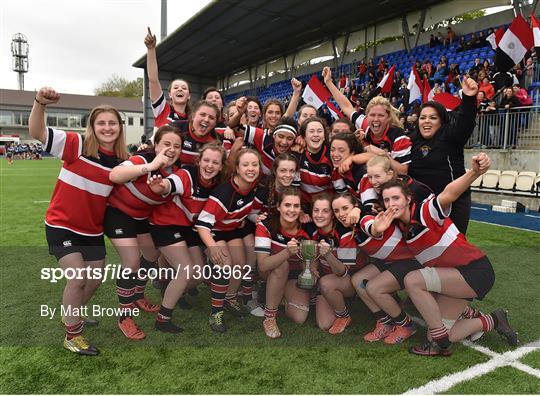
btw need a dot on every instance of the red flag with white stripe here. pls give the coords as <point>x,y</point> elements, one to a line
<point>334,110</point>
<point>427,91</point>
<point>388,79</point>
<point>414,86</point>
<point>495,37</point>
<point>315,93</point>
<point>535,24</point>
<point>514,44</point>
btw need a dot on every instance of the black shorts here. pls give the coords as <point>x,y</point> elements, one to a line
<point>479,275</point>
<point>380,264</point>
<point>399,269</point>
<point>237,233</point>
<point>63,242</point>
<point>119,225</point>
<point>166,235</point>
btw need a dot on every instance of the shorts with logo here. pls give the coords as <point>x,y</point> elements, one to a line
<point>63,242</point>
<point>119,225</point>
<point>166,235</point>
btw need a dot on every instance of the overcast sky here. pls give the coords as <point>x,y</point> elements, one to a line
<point>75,45</point>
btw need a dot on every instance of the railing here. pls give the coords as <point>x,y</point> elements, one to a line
<point>518,127</point>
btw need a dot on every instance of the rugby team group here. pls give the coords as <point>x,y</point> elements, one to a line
<point>227,194</point>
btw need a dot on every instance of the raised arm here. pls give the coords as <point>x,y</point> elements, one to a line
<point>465,121</point>
<point>480,165</point>
<point>154,85</point>
<point>295,98</point>
<point>127,171</point>
<point>36,122</point>
<point>342,101</point>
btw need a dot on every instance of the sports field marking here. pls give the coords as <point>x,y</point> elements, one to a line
<point>500,360</point>
<point>38,202</point>
<point>507,226</point>
<point>476,207</point>
<point>536,217</point>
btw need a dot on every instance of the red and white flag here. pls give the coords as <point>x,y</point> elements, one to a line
<point>388,79</point>
<point>414,86</point>
<point>427,91</point>
<point>514,44</point>
<point>535,25</point>
<point>495,37</point>
<point>449,101</point>
<point>334,110</point>
<point>315,93</point>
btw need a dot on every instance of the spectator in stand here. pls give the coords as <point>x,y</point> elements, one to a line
<point>342,82</point>
<point>529,73</point>
<point>473,42</point>
<point>522,95</point>
<point>382,65</point>
<point>362,72</point>
<point>433,42</point>
<point>427,68</point>
<point>418,67</point>
<point>518,72</point>
<point>371,67</point>
<point>502,80</point>
<point>439,76</point>
<point>476,67</point>
<point>463,45</point>
<point>450,35</point>
<point>508,102</point>
<point>486,87</point>
<point>441,39</point>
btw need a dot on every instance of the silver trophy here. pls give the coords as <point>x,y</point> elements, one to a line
<point>308,252</point>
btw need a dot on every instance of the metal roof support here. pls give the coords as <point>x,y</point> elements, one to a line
<point>365,42</point>
<point>292,65</point>
<point>374,39</point>
<point>345,44</point>
<point>405,27</point>
<point>285,63</point>
<point>163,19</point>
<point>420,26</point>
<point>266,74</point>
<point>334,49</point>
<point>250,81</point>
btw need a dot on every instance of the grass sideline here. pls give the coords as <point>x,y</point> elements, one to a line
<point>243,360</point>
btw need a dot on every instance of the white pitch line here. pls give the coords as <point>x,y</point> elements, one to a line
<point>501,360</point>
<point>536,217</point>
<point>525,368</point>
<point>501,225</point>
<point>37,202</point>
<point>476,207</point>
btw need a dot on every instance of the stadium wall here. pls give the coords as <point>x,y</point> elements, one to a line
<point>517,160</point>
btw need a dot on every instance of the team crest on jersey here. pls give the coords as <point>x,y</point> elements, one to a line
<point>177,235</point>
<point>280,237</point>
<point>67,243</point>
<point>425,150</point>
<point>119,231</point>
<point>187,144</point>
<point>240,202</point>
<point>306,164</point>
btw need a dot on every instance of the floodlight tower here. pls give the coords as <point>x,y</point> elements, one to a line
<point>19,50</point>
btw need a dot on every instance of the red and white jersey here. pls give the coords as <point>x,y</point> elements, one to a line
<point>135,198</point>
<point>393,141</point>
<point>191,144</point>
<point>315,173</point>
<point>189,197</point>
<point>368,194</point>
<point>360,121</point>
<point>434,239</point>
<point>228,207</point>
<point>272,243</point>
<point>389,247</point>
<point>80,196</point>
<point>164,114</point>
<point>350,181</point>
<point>263,143</point>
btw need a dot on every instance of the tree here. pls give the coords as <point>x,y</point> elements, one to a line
<point>121,87</point>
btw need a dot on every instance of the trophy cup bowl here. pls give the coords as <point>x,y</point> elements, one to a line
<point>308,252</point>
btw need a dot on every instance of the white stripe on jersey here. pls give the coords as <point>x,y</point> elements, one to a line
<point>401,153</point>
<point>310,188</point>
<point>84,184</point>
<point>178,202</point>
<point>132,189</point>
<point>178,185</point>
<point>389,245</point>
<point>95,164</point>
<point>347,255</point>
<point>432,252</point>
<point>369,195</point>
<point>263,243</point>
<point>206,217</point>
